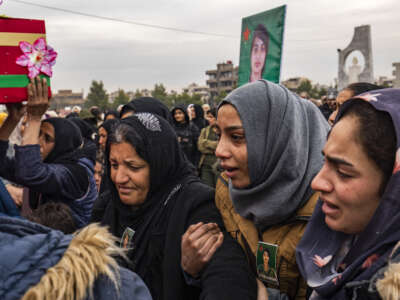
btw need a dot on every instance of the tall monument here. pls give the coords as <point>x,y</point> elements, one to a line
<point>362,42</point>
<point>396,73</point>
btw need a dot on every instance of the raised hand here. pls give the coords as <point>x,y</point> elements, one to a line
<point>38,99</point>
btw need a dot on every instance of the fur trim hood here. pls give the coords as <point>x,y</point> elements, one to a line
<point>46,264</point>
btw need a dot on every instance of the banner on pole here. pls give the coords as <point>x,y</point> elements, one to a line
<point>261,46</point>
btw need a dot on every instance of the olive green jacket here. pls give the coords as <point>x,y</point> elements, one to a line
<point>206,146</point>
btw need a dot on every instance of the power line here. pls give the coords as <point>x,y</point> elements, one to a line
<point>150,25</point>
<point>124,21</point>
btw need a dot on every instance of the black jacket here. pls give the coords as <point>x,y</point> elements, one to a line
<point>227,276</point>
<point>188,134</point>
<point>326,111</point>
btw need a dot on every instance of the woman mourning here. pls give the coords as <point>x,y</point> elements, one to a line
<point>355,225</point>
<point>270,149</point>
<point>154,199</point>
<point>50,161</point>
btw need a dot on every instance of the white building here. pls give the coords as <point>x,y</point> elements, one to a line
<point>194,88</point>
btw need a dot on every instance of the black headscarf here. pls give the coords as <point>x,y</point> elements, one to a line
<point>109,125</point>
<point>72,115</point>
<point>181,108</point>
<point>86,130</point>
<point>147,104</point>
<point>67,144</point>
<point>199,121</point>
<point>88,134</point>
<point>111,113</point>
<point>67,151</point>
<point>157,144</point>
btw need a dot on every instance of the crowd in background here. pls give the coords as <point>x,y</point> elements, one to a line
<point>270,195</point>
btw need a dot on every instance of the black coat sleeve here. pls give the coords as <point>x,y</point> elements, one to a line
<point>228,275</point>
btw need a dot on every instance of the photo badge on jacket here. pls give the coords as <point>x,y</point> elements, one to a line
<point>266,263</point>
<point>126,240</point>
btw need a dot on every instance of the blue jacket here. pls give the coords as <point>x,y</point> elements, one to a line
<point>28,250</point>
<point>7,204</point>
<point>55,182</point>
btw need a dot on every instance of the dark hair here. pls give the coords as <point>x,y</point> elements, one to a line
<point>54,215</point>
<point>213,112</point>
<point>261,32</point>
<point>376,134</point>
<point>361,87</point>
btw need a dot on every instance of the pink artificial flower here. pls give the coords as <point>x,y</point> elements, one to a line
<point>369,97</point>
<point>320,262</point>
<point>397,162</point>
<point>369,261</point>
<point>38,57</point>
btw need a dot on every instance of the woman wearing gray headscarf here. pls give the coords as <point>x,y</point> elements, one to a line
<point>270,148</point>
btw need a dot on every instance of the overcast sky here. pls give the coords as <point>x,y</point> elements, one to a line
<point>130,56</point>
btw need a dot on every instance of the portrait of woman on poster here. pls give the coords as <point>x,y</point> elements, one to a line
<point>259,51</point>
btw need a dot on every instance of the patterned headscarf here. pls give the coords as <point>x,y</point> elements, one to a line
<point>329,259</point>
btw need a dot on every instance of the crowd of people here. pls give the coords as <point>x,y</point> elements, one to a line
<point>270,195</point>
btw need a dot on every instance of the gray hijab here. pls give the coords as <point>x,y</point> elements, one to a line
<point>285,136</point>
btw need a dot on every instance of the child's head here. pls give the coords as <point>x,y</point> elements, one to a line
<point>54,215</point>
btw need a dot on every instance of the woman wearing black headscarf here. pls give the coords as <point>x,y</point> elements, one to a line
<point>154,198</point>
<point>50,161</point>
<point>187,133</point>
<point>146,104</point>
<point>89,148</point>
<point>99,206</point>
<point>105,130</point>
<point>198,116</point>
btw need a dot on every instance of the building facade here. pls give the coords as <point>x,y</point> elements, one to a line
<point>114,95</point>
<point>223,79</point>
<point>294,83</point>
<point>65,98</point>
<point>384,81</point>
<point>194,88</point>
